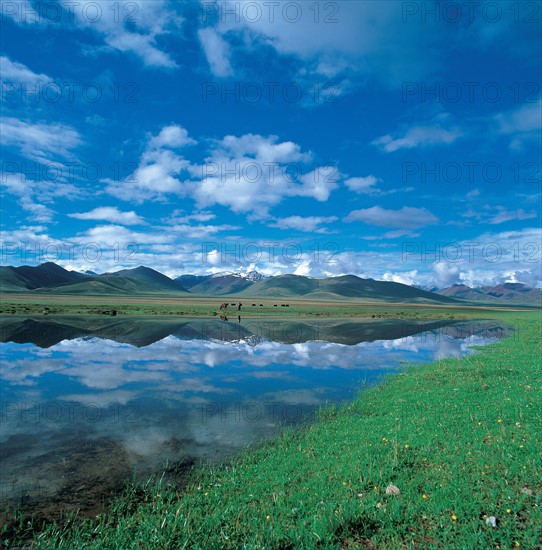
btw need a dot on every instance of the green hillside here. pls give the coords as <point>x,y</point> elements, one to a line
<point>217,286</point>
<point>29,278</point>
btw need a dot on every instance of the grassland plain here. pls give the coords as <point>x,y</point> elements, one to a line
<point>459,438</point>
<point>24,304</point>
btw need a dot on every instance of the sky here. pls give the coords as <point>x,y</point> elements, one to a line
<point>394,140</point>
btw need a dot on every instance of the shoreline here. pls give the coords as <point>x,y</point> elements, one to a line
<point>412,430</point>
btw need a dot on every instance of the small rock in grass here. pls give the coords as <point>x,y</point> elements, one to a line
<point>492,520</point>
<point>392,489</point>
<point>527,491</point>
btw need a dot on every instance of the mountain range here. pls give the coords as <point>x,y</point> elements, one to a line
<point>50,278</point>
<point>516,293</point>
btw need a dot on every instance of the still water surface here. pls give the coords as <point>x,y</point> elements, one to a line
<point>89,403</point>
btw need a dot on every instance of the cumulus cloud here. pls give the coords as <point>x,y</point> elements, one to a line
<point>110,214</point>
<point>160,168</point>
<point>446,273</point>
<point>253,173</point>
<point>172,136</point>
<point>364,185</point>
<point>404,218</point>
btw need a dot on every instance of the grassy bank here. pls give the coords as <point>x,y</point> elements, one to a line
<point>459,438</point>
<point>209,307</point>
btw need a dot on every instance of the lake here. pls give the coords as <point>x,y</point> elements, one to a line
<point>90,403</point>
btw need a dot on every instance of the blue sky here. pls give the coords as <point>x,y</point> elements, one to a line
<point>389,139</point>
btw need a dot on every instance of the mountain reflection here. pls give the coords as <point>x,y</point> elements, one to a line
<point>46,332</point>
<point>86,402</point>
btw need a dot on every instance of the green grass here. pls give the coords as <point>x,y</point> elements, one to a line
<point>460,438</point>
<point>194,309</point>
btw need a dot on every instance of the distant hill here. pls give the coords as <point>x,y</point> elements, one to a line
<point>346,286</point>
<point>189,281</point>
<point>222,284</point>
<point>140,280</point>
<point>52,279</point>
<point>27,277</point>
<point>149,277</point>
<point>49,278</point>
<point>512,293</point>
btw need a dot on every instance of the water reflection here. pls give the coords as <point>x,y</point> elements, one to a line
<point>85,401</point>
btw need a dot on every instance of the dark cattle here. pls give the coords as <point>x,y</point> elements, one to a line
<point>234,304</point>
<point>261,305</point>
<point>274,305</point>
<point>253,305</point>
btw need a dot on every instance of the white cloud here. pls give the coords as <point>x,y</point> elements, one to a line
<point>40,141</point>
<point>252,173</point>
<point>404,218</point>
<point>505,215</point>
<point>159,170</point>
<point>309,224</point>
<point>362,185</point>
<point>425,135</point>
<point>110,214</point>
<point>12,71</point>
<point>521,124</point>
<point>248,173</point>
<point>498,214</point>
<point>173,136</point>
<point>33,194</point>
<point>134,30</point>
<point>342,40</point>
<point>447,273</point>
<point>217,51</point>
<point>405,278</point>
